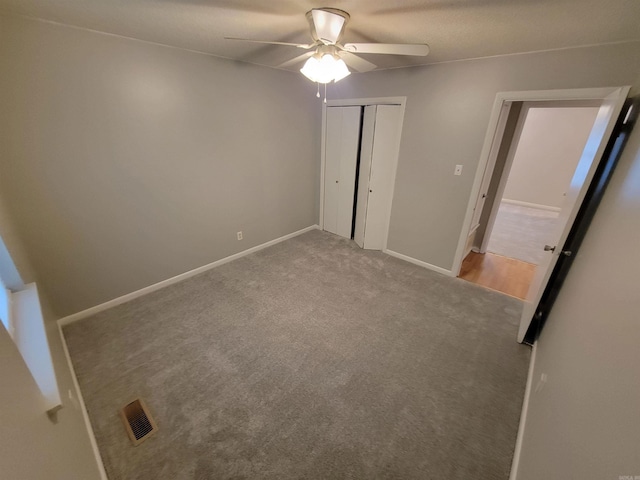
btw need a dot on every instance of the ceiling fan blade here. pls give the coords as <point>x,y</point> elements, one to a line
<point>417,49</point>
<point>295,60</point>
<point>298,45</point>
<point>359,64</point>
<point>328,25</point>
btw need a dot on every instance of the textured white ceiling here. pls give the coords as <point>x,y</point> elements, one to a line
<point>454,29</point>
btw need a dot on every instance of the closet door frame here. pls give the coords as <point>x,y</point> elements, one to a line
<point>358,102</point>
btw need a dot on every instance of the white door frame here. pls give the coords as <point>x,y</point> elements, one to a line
<point>358,102</point>
<point>501,99</point>
<point>488,171</point>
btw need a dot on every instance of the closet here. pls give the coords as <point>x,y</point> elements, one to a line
<point>361,153</point>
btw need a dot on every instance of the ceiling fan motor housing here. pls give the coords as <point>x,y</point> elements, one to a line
<point>327,24</point>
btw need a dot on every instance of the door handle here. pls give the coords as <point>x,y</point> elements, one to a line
<point>566,253</point>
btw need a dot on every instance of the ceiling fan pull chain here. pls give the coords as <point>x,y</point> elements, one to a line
<point>318,92</point>
<point>325,93</point>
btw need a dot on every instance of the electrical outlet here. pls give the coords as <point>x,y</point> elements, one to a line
<point>541,382</point>
<point>239,235</point>
<point>458,170</point>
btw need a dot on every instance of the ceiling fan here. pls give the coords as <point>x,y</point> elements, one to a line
<point>328,57</point>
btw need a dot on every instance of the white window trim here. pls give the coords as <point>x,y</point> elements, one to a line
<point>27,328</point>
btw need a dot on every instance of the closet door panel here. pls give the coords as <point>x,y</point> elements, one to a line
<point>366,149</point>
<point>341,154</point>
<point>332,168</point>
<point>386,144</point>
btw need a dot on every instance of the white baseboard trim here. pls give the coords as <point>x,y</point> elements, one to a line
<point>83,408</point>
<point>523,415</point>
<point>531,205</point>
<point>420,263</point>
<point>178,278</point>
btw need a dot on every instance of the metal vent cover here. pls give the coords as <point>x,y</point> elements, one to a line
<point>138,422</point>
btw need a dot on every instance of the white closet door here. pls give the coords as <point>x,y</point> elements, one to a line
<point>366,149</point>
<point>386,145</point>
<point>341,154</point>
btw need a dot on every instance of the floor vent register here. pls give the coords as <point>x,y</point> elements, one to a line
<point>138,421</point>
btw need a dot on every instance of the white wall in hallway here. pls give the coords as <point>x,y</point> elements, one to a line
<point>548,151</point>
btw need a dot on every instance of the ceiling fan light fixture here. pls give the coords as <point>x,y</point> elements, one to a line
<point>312,69</point>
<point>325,69</point>
<point>340,70</point>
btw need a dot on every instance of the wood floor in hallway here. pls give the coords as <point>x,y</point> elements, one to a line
<point>503,274</point>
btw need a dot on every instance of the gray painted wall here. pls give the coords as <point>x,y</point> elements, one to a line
<point>447,113</point>
<point>548,151</point>
<point>14,263</point>
<point>125,163</point>
<point>55,450</point>
<point>584,422</point>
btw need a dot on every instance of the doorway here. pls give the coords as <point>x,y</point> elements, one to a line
<point>360,144</point>
<point>542,145</point>
<point>499,138</point>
